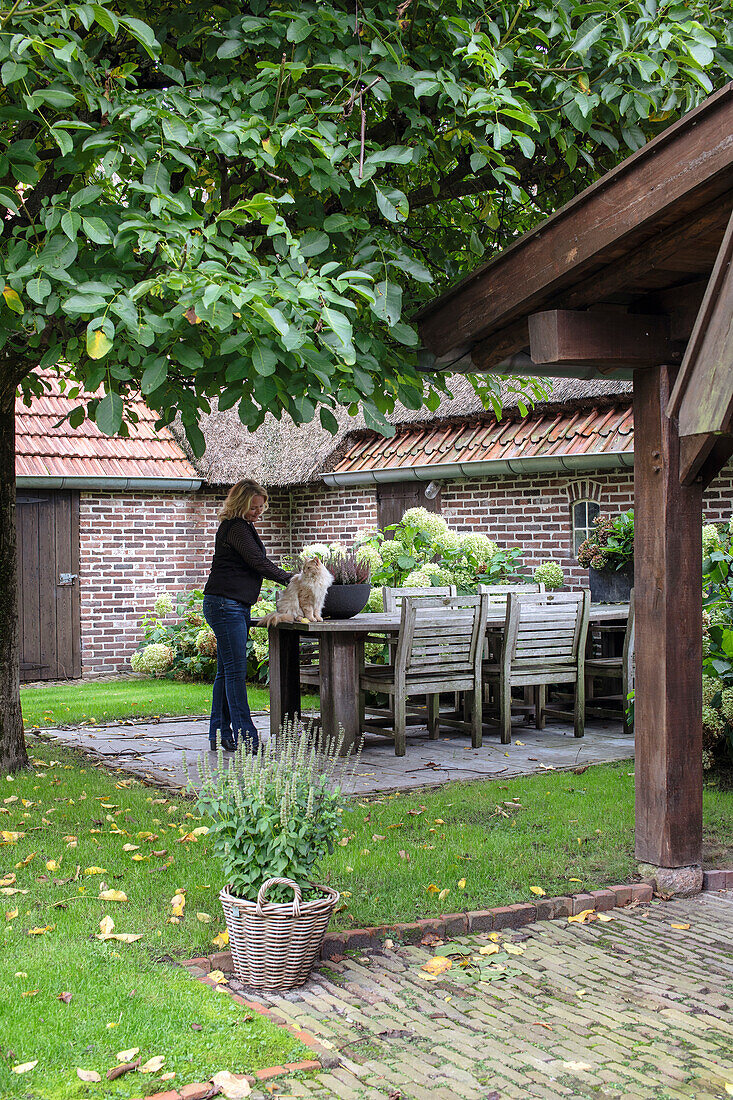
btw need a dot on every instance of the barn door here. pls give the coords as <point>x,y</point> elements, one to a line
<point>48,584</point>
<point>393,500</point>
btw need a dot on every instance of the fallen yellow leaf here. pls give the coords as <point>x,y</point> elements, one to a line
<point>729,1088</point>
<point>113,895</point>
<point>202,830</point>
<point>8,880</point>
<point>538,891</point>
<point>26,861</point>
<point>218,976</point>
<point>52,865</point>
<point>9,837</point>
<point>153,1064</point>
<point>432,888</point>
<point>489,949</point>
<point>437,965</point>
<point>682,927</point>
<point>178,904</point>
<point>583,918</point>
<point>88,1075</point>
<point>24,1067</point>
<point>461,884</point>
<point>231,1087</point>
<point>127,1055</point>
<point>513,949</point>
<point>439,821</point>
<point>130,847</point>
<point>222,940</point>
<point>604,917</point>
<point>41,931</point>
<point>106,925</point>
<point>204,918</point>
<point>11,914</point>
<point>443,894</point>
<point>95,871</point>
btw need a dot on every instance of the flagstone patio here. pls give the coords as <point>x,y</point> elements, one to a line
<point>156,751</point>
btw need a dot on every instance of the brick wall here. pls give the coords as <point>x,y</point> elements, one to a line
<point>135,546</point>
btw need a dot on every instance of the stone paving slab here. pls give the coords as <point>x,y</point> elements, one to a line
<point>155,750</point>
<point>631,1008</point>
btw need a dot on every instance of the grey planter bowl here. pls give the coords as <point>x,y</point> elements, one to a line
<point>611,585</point>
<point>343,601</point>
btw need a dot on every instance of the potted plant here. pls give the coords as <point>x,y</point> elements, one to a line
<point>274,815</point>
<point>351,586</point>
<point>608,554</point>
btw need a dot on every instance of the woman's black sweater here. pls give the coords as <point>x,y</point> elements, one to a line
<point>240,563</point>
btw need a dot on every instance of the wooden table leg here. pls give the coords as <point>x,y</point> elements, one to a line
<point>341,661</point>
<point>284,676</point>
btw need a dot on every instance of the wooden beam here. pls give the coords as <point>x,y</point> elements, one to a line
<point>685,167</point>
<point>702,398</point>
<point>668,697</point>
<point>702,457</point>
<point>595,337</point>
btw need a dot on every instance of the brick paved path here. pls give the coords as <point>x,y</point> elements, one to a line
<point>631,1008</point>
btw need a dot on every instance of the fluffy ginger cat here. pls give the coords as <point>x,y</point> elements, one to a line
<point>304,596</point>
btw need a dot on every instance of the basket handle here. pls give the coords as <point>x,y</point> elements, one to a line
<point>297,896</point>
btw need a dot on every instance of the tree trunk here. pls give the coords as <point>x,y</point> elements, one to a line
<point>12,743</point>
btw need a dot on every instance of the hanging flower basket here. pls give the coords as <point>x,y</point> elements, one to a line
<point>274,946</point>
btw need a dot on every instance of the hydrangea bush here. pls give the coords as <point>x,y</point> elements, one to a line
<point>176,627</point>
<point>611,544</point>
<point>717,643</point>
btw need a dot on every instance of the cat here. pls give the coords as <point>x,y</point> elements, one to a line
<point>304,596</point>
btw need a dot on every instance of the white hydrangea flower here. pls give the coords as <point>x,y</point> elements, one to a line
<point>206,642</point>
<point>447,541</point>
<point>370,556</point>
<point>710,538</point>
<point>550,574</point>
<point>337,550</point>
<point>316,550</point>
<point>163,605</point>
<point>391,549</point>
<point>375,603</point>
<point>367,533</point>
<point>478,546</point>
<point>426,574</point>
<point>430,522</point>
<point>152,659</point>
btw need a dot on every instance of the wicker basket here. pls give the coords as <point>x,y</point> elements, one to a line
<point>274,946</point>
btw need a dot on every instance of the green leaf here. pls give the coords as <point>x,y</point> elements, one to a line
<point>176,130</point>
<point>71,224</point>
<point>108,415</point>
<point>38,289</point>
<point>388,305</point>
<point>393,204</point>
<point>96,230</point>
<point>12,71</point>
<point>264,360</point>
<point>328,421</point>
<point>142,33</point>
<point>154,375</point>
<point>588,34</point>
<point>313,243</point>
<point>106,19</point>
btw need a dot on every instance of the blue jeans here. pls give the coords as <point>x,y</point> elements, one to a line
<point>230,621</point>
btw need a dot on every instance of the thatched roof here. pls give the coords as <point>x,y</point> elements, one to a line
<point>281,453</point>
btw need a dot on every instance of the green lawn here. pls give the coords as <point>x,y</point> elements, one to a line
<point>97,702</point>
<point>76,818</point>
<point>561,832</point>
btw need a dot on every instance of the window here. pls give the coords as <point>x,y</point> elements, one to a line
<point>583,514</point>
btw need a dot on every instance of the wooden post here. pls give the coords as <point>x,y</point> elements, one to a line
<point>284,676</point>
<point>668,598</point>
<point>341,661</point>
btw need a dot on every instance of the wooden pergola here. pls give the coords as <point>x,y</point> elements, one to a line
<point>633,279</point>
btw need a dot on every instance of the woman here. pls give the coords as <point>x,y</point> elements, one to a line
<point>234,584</point>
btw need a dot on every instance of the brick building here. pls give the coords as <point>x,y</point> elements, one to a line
<point>106,525</point>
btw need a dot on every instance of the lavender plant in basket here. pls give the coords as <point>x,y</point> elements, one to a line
<point>274,815</point>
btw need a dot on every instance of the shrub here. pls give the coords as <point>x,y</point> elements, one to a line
<point>276,813</point>
<point>550,574</point>
<point>179,626</point>
<point>717,644</point>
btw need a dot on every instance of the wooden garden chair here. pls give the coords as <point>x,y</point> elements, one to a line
<point>544,643</point>
<point>438,650</point>
<point>619,668</point>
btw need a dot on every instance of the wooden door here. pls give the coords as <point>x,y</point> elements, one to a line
<point>393,500</point>
<point>48,584</point>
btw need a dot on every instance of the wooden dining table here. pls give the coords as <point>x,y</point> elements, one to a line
<point>341,658</point>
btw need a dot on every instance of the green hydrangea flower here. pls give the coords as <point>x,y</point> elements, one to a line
<point>430,522</point>
<point>478,546</point>
<point>391,550</point>
<point>550,574</point>
<point>316,550</point>
<point>153,660</point>
<point>163,605</point>
<point>370,556</point>
<point>710,538</point>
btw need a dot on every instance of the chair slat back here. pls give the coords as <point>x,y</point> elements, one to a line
<point>498,593</point>
<point>441,637</point>
<point>392,597</point>
<point>629,654</point>
<point>545,629</point>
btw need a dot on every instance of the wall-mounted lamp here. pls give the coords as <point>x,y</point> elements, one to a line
<point>432,490</point>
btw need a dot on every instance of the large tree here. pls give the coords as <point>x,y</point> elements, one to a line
<point>245,201</point>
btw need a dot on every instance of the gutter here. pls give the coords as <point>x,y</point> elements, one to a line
<point>151,484</point>
<point>495,468</point>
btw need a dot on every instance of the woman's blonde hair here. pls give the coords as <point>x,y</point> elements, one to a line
<point>239,499</point>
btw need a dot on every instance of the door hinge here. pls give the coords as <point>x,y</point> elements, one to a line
<point>67,578</point>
